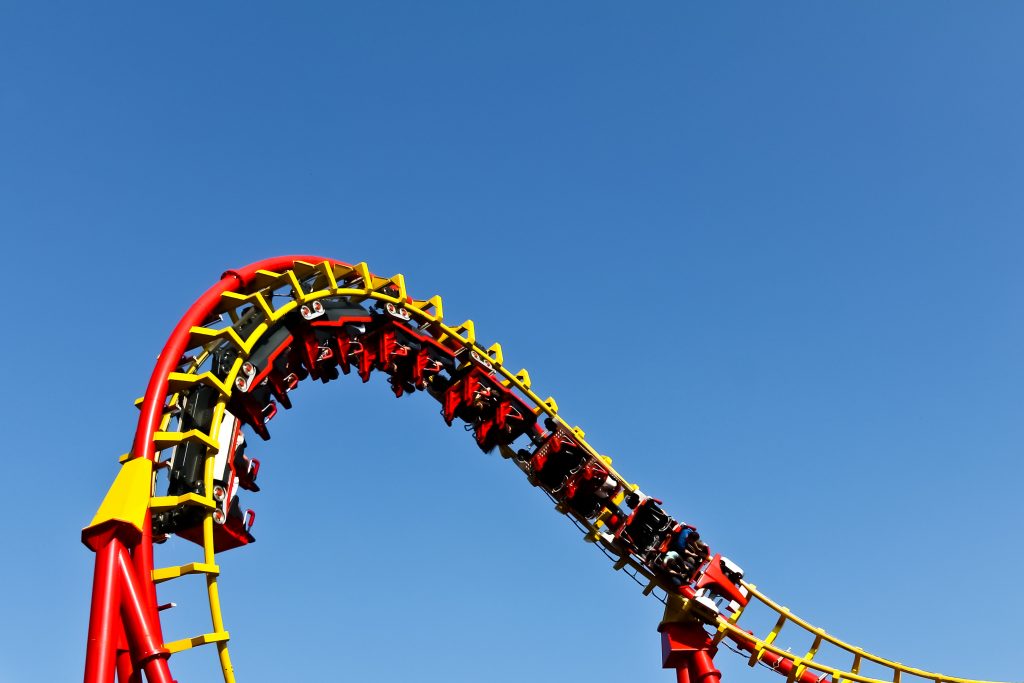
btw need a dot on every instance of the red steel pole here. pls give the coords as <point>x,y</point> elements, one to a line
<point>702,668</point>
<point>126,671</point>
<point>781,664</point>
<point>687,648</point>
<point>142,563</point>
<point>125,668</point>
<point>101,649</point>
<point>141,624</point>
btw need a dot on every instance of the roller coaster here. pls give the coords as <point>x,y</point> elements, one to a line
<point>233,360</point>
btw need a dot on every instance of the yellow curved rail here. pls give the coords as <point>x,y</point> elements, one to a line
<point>728,628</point>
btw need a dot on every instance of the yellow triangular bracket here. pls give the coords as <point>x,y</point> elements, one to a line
<point>466,332</point>
<point>676,609</point>
<point>438,306</point>
<point>326,272</point>
<point>523,377</point>
<point>494,352</point>
<point>361,273</point>
<point>128,498</point>
<point>549,406</point>
<point>398,281</point>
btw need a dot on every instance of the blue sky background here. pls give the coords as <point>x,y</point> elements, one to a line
<point>767,254</point>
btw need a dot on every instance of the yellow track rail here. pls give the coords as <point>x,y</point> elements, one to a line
<point>728,628</point>
<point>359,284</point>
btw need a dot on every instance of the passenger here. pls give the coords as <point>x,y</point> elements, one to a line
<point>672,562</point>
<point>483,399</point>
<point>685,537</point>
<point>607,488</point>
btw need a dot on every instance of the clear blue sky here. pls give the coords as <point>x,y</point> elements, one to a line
<point>767,254</point>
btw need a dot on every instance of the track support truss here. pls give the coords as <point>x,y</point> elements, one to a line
<point>235,356</point>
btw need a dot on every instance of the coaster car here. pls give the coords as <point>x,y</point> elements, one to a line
<point>476,396</point>
<point>232,470</point>
<point>647,528</point>
<point>556,460</point>
<point>411,359</point>
<point>327,333</point>
<point>589,490</point>
<point>681,554</point>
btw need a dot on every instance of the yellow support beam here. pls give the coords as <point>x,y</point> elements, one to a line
<point>167,439</point>
<point>161,503</point>
<point>297,292</point>
<point>167,573</point>
<point>398,280</point>
<point>201,336</point>
<point>363,276</point>
<point>465,333</point>
<point>522,377</point>
<point>548,406</point>
<point>189,643</point>
<point>179,381</point>
<point>267,279</point>
<point>495,354</point>
<point>325,270</point>
<point>432,309</point>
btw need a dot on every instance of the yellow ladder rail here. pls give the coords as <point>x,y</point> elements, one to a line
<point>204,639</point>
<point>167,573</point>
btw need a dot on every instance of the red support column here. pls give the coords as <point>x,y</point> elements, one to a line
<point>124,628</point>
<point>142,563</point>
<point>141,624</point>
<point>688,649</point>
<point>702,668</point>
<point>104,621</point>
<point>126,671</point>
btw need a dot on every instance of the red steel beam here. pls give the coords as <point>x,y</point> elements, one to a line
<point>780,664</point>
<point>141,623</point>
<point>104,623</point>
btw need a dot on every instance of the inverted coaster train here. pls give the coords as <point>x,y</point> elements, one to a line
<point>234,358</point>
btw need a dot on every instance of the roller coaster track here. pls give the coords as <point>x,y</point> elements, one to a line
<point>304,315</point>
